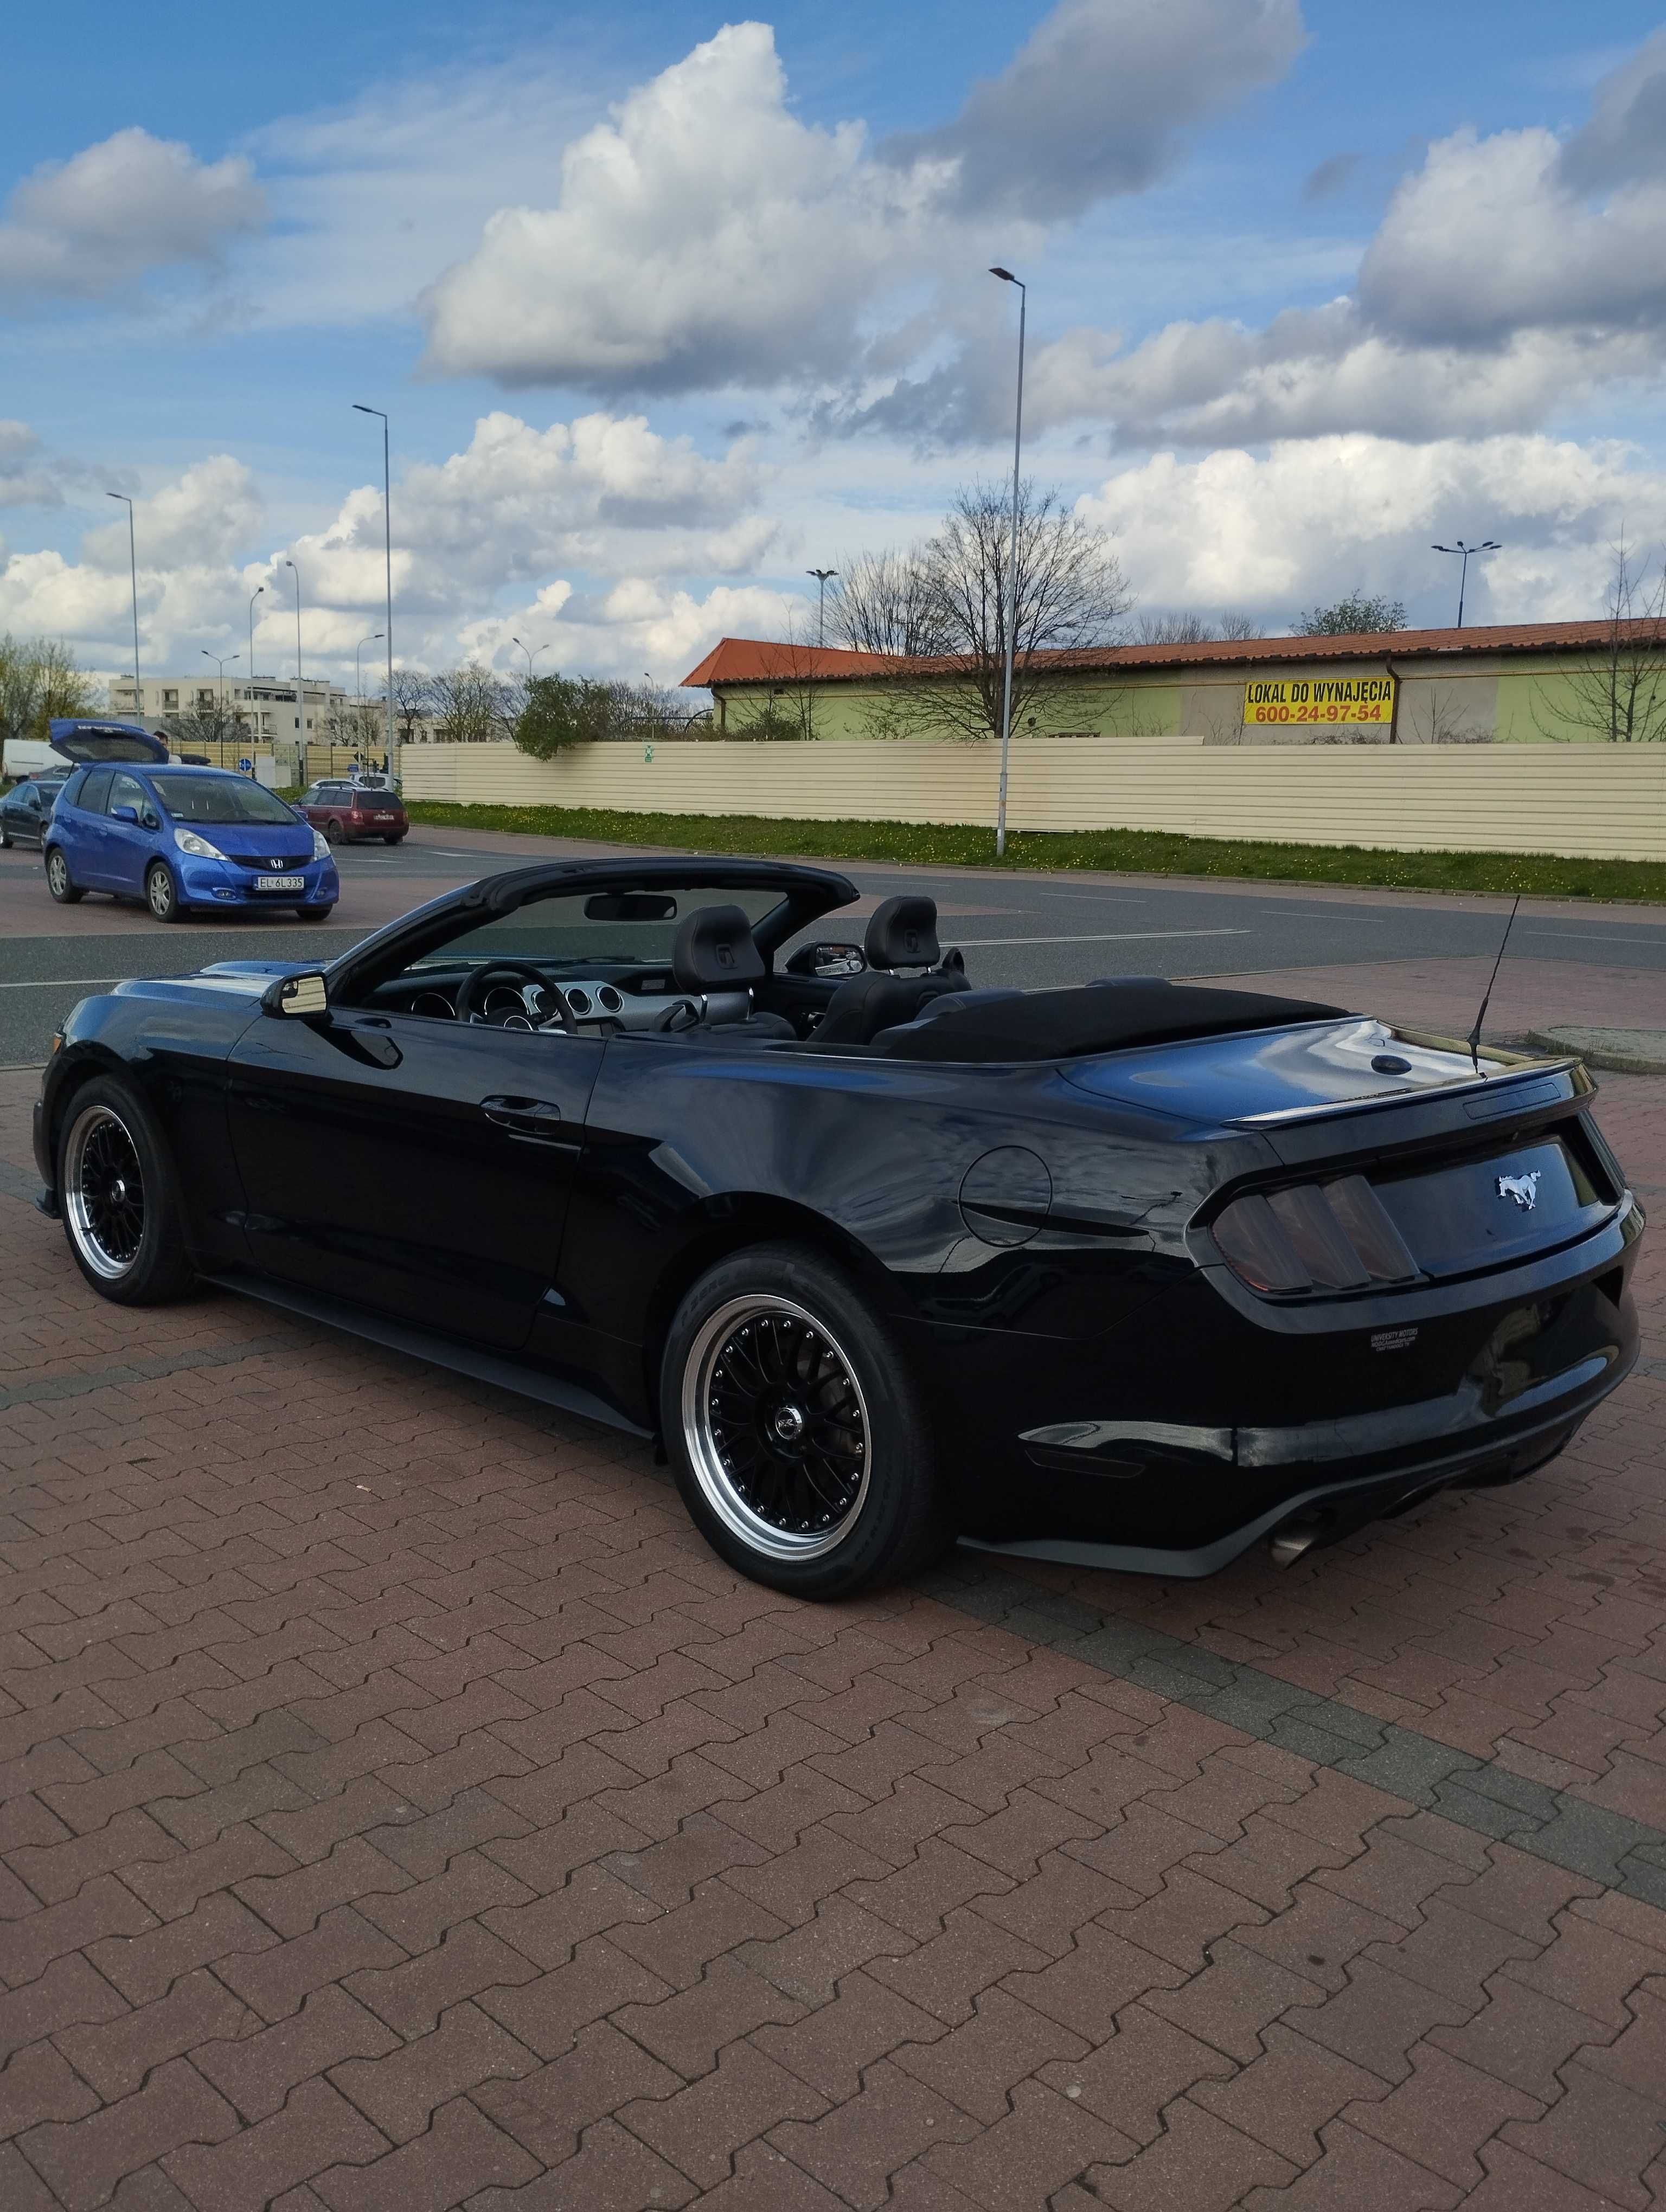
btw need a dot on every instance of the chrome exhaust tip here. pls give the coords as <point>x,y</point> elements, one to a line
<point>1289,1545</point>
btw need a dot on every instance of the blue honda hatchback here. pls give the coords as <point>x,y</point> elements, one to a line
<point>183,840</point>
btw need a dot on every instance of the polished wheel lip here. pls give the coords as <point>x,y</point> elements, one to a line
<point>103,1195</point>
<point>717,1484</point>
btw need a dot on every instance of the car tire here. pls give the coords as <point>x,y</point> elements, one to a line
<point>119,1197</point>
<point>314,912</point>
<point>798,1438</point>
<point>161,893</point>
<point>59,882</point>
<point>333,833</point>
<point>390,840</point>
<point>5,839</point>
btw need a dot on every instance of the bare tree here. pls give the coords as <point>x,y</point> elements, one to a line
<point>209,722</point>
<point>470,705</point>
<point>1174,629</point>
<point>884,603</point>
<point>1071,594</point>
<point>1237,628</point>
<point>411,700</point>
<point>1618,690</point>
<point>1358,614</point>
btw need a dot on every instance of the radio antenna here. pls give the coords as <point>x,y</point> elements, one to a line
<point>1486,996</point>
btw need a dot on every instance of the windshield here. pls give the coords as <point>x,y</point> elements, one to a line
<point>597,929</point>
<point>220,799</point>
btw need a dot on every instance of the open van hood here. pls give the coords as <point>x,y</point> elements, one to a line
<point>79,739</point>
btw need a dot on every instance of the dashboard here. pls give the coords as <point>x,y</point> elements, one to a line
<point>640,1000</point>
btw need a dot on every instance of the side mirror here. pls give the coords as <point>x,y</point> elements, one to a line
<point>124,814</point>
<point>300,996</point>
<point>828,960</point>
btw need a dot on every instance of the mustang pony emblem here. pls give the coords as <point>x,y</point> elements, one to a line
<point>1523,1188</point>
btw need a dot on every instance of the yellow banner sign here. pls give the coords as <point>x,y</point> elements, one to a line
<point>1328,699</point>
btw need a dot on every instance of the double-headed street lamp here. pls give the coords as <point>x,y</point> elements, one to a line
<point>1491,546</point>
<point>359,408</point>
<point>133,571</point>
<point>531,652</point>
<point>220,661</point>
<point>824,577</point>
<point>1007,278</point>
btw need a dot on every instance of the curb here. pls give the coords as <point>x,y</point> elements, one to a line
<point>1624,1052</point>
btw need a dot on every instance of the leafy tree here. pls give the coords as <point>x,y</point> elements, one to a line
<point>1358,614</point>
<point>561,711</point>
<point>40,678</point>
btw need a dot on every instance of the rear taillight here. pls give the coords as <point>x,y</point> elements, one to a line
<point>1314,1236</point>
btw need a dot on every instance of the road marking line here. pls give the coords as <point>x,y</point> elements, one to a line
<point>1596,937</point>
<point>62,983</point>
<point>1109,936</point>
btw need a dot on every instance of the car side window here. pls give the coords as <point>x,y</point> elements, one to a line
<point>70,792</point>
<point>124,792</point>
<point>95,790</point>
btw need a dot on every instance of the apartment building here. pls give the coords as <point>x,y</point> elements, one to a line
<point>267,706</point>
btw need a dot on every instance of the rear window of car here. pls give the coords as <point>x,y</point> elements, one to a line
<point>72,784</point>
<point>374,802</point>
<point>228,798</point>
<point>94,791</point>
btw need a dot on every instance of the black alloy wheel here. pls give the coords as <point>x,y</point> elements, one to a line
<point>59,882</point>
<point>799,1440</point>
<point>119,1198</point>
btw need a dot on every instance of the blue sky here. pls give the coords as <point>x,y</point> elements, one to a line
<point>1312,285</point>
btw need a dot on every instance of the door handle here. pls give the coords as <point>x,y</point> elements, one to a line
<point>539,1118</point>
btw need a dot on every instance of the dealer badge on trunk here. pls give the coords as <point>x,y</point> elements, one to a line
<point>1523,1188</point>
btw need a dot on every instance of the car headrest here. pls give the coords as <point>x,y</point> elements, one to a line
<point>713,950</point>
<point>902,932</point>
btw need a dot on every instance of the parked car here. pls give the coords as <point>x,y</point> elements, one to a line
<point>1135,1273</point>
<point>183,840</point>
<point>27,809</point>
<point>348,813</point>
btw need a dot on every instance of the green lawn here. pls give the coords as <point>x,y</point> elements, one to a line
<point>1133,852</point>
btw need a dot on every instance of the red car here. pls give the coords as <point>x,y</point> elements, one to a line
<point>349,812</point>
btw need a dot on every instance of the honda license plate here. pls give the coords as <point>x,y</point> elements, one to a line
<point>280,883</point>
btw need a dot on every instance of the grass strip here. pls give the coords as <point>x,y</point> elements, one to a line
<point>1121,852</point>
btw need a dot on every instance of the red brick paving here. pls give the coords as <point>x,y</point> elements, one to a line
<point>398,1807</point>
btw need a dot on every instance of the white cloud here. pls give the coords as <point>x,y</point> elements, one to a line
<point>584,523</point>
<point>1093,101</point>
<point>705,238</point>
<point>89,226</point>
<point>1489,239</point>
<point>1315,517</point>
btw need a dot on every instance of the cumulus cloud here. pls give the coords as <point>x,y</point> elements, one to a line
<point>86,227</point>
<point>704,237</point>
<point>591,526</point>
<point>1094,101</point>
<point>1271,533</point>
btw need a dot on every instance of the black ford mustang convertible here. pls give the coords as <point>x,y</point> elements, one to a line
<point>1134,1274</point>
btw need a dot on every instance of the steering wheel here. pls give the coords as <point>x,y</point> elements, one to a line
<point>472,992</point>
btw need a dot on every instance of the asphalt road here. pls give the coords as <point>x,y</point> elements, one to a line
<point>1014,929</point>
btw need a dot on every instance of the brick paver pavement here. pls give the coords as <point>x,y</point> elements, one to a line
<point>399,1807</point>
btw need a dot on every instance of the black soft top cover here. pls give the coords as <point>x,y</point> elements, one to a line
<point>1066,1025</point>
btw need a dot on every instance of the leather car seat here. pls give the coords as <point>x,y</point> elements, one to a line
<point>715,961</point>
<point>902,932</point>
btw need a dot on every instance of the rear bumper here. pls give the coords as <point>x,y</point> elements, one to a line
<point>1187,1433</point>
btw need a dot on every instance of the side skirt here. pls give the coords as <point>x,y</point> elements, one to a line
<point>439,1351</point>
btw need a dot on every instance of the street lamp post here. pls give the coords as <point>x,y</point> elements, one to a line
<point>531,652</point>
<point>1007,278</point>
<point>1491,546</point>
<point>358,675</point>
<point>359,408</point>
<point>220,661</point>
<point>133,573</point>
<point>300,702</point>
<point>824,577</point>
<point>258,593</point>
